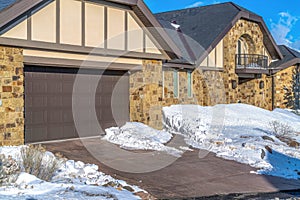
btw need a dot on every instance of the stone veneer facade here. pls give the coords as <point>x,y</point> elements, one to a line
<point>152,87</point>
<point>11,96</point>
<point>283,82</point>
<point>248,92</point>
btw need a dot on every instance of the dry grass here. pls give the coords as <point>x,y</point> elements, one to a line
<point>280,129</point>
<point>36,162</point>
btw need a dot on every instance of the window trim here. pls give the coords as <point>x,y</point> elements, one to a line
<point>177,77</point>
<point>190,93</point>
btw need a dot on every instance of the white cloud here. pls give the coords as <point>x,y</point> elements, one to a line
<point>196,4</point>
<point>281,30</point>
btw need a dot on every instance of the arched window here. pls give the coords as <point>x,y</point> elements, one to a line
<point>242,47</point>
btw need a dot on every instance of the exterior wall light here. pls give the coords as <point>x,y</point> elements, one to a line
<point>233,84</point>
<point>261,84</point>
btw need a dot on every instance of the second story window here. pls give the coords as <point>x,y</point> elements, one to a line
<point>215,59</point>
<point>242,47</point>
<point>247,56</point>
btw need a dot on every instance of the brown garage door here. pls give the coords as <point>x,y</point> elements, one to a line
<point>48,102</point>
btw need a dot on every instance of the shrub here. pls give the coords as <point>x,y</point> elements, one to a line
<point>280,129</point>
<point>9,170</point>
<point>37,162</point>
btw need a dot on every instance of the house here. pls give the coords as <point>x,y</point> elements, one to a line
<point>71,68</point>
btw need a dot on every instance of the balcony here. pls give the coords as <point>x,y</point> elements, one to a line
<point>250,65</point>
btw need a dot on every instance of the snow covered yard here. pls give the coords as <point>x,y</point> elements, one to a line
<point>242,133</point>
<point>238,132</point>
<point>73,180</point>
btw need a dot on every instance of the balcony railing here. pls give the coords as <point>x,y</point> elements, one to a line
<point>251,62</point>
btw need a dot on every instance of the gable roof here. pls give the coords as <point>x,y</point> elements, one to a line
<point>13,9</point>
<point>209,24</point>
<point>291,57</point>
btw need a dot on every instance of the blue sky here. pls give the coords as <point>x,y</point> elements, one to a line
<point>282,17</point>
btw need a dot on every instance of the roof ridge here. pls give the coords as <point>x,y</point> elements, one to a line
<point>291,51</point>
<point>183,9</point>
<point>242,9</point>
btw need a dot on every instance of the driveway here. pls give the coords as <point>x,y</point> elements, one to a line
<point>188,176</point>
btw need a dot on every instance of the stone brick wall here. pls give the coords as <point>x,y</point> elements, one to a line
<point>152,88</point>
<point>247,92</point>
<point>146,94</point>
<point>283,79</point>
<point>11,96</point>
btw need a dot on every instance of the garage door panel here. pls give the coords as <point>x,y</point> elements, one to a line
<point>48,102</point>
<point>37,117</point>
<point>35,133</point>
<point>55,116</point>
<point>55,101</point>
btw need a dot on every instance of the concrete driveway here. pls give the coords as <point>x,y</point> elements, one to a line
<point>188,176</point>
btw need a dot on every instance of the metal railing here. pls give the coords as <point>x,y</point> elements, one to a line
<point>251,61</point>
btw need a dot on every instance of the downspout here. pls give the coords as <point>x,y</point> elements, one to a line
<point>272,74</point>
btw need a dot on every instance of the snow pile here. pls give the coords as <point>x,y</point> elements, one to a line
<point>238,132</point>
<point>73,180</point>
<point>137,136</point>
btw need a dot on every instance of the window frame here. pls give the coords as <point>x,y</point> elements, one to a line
<point>176,92</point>
<point>190,84</point>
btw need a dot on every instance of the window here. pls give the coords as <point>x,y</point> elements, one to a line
<point>242,50</point>
<point>214,58</point>
<point>189,83</point>
<point>242,47</point>
<point>175,84</point>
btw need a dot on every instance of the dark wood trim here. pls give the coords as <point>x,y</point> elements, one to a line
<point>216,69</point>
<point>57,21</point>
<point>29,27</point>
<point>65,48</point>
<point>178,66</point>
<point>105,27</point>
<point>110,4</point>
<point>58,62</point>
<point>216,56</point>
<point>17,9</point>
<point>252,71</point>
<point>126,30</point>
<point>83,22</point>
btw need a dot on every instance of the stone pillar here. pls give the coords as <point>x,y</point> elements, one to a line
<point>146,94</point>
<point>11,96</point>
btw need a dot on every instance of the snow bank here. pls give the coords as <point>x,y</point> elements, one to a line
<point>73,180</point>
<point>137,136</point>
<point>237,132</point>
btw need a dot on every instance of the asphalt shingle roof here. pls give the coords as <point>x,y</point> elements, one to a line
<point>204,24</point>
<point>289,55</point>
<point>6,3</point>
